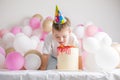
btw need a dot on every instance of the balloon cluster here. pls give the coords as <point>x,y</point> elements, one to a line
<point>21,46</point>
<point>18,41</point>
<point>96,46</point>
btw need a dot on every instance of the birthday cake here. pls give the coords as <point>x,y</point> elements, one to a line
<point>67,58</point>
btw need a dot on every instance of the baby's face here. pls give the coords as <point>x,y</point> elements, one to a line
<point>62,36</point>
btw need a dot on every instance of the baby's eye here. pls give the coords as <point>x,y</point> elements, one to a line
<point>57,37</point>
<point>64,36</point>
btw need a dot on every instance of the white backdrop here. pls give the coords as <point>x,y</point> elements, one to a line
<point>103,13</point>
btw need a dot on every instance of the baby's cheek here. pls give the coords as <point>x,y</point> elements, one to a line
<point>66,40</point>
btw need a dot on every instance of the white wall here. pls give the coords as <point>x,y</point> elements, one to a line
<point>103,13</point>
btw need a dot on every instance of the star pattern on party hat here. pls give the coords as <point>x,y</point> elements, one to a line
<point>59,18</point>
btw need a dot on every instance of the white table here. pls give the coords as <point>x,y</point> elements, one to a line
<point>58,75</point>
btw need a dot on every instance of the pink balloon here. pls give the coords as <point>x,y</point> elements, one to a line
<point>100,30</point>
<point>35,23</point>
<point>2,51</point>
<point>84,54</point>
<point>14,61</point>
<point>16,30</point>
<point>44,34</point>
<point>91,30</point>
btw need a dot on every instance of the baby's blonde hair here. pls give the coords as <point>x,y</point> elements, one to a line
<point>59,27</point>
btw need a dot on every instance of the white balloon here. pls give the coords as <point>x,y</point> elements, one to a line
<point>27,30</point>
<point>91,45</point>
<point>35,40</point>
<point>107,41</point>
<point>23,44</point>
<point>19,34</point>
<point>37,32</point>
<point>79,31</point>
<point>25,21</point>
<point>40,46</point>
<point>2,61</point>
<point>103,38</point>
<point>32,62</point>
<point>8,37</point>
<point>107,58</point>
<point>90,64</point>
<point>100,35</point>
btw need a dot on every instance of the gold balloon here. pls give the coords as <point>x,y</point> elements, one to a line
<point>33,52</point>
<point>116,46</point>
<point>8,50</point>
<point>38,16</point>
<point>47,24</point>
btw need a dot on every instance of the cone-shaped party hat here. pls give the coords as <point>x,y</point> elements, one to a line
<point>59,18</point>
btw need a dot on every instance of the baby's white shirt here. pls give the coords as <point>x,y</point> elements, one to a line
<point>50,45</point>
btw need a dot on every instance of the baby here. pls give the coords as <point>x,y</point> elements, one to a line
<point>61,35</point>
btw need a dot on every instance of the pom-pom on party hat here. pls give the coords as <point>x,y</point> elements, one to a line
<point>59,18</point>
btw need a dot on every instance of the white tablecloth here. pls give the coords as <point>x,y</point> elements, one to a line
<point>58,75</point>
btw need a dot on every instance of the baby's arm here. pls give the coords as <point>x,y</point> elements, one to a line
<point>44,62</point>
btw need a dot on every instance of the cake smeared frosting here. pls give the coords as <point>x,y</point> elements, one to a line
<point>64,49</point>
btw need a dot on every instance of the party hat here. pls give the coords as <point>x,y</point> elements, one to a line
<point>59,18</point>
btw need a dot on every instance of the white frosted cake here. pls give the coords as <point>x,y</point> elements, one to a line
<point>67,58</point>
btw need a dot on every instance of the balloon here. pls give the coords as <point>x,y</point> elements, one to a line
<point>35,40</point>
<point>3,31</point>
<point>103,38</point>
<point>107,58</point>
<point>2,60</point>
<point>25,21</point>
<point>19,35</point>
<point>39,16</point>
<point>40,46</point>
<point>37,32</point>
<point>100,30</point>
<point>2,51</point>
<point>47,24</point>
<point>43,36</point>
<point>33,52</point>
<point>32,62</point>
<point>14,61</point>
<point>107,41</point>
<point>8,38</point>
<point>9,50</point>
<point>79,31</point>
<point>84,54</point>
<point>91,30</point>
<point>23,44</point>
<point>91,44</point>
<point>90,63</point>
<point>116,46</point>
<point>35,23</point>
<point>2,44</point>
<point>81,44</point>
<point>16,30</point>
<point>27,30</point>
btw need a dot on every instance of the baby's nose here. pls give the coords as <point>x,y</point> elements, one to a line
<point>61,39</point>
